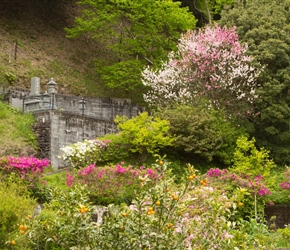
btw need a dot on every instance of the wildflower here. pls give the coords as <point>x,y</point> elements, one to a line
<point>23,227</point>
<point>83,209</point>
<point>240,204</point>
<point>150,172</point>
<point>191,177</point>
<point>13,242</point>
<point>228,236</point>
<point>151,212</point>
<point>124,214</point>
<point>174,197</point>
<point>264,191</point>
<point>158,203</point>
<point>161,162</point>
<point>203,182</point>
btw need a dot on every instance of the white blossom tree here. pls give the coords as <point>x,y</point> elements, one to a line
<point>210,63</point>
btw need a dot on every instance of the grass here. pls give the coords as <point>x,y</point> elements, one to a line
<point>16,132</point>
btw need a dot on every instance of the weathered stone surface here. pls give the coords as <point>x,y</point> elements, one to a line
<point>65,121</point>
<point>282,213</point>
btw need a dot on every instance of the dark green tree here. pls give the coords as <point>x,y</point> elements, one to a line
<point>206,11</point>
<point>265,26</point>
<point>134,33</point>
<point>206,133</point>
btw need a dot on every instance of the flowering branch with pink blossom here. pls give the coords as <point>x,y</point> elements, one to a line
<point>209,63</point>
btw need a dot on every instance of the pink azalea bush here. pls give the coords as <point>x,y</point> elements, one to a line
<point>26,167</point>
<point>250,190</point>
<point>30,170</point>
<point>110,184</point>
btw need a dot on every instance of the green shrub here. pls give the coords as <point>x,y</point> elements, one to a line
<point>202,132</point>
<point>64,223</point>
<point>279,196</point>
<point>285,232</point>
<point>15,205</point>
<point>249,160</point>
<point>110,184</point>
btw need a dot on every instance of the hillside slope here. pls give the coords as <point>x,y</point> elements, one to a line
<point>33,43</point>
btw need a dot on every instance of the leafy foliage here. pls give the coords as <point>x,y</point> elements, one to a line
<point>14,207</point>
<point>202,131</point>
<point>266,28</point>
<point>134,32</point>
<point>249,160</point>
<point>144,134</point>
<point>207,10</point>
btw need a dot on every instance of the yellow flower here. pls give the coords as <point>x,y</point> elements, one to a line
<point>174,197</point>
<point>83,209</point>
<point>161,162</point>
<point>158,203</point>
<point>124,214</point>
<point>150,212</point>
<point>240,204</point>
<point>13,242</point>
<point>203,182</point>
<point>191,177</point>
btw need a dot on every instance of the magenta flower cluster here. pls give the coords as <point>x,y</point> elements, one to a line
<point>286,184</point>
<point>87,170</point>
<point>253,183</point>
<point>69,179</point>
<point>118,169</point>
<point>27,165</point>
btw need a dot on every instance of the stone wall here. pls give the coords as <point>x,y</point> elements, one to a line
<point>281,212</point>
<point>101,108</point>
<point>69,119</point>
<point>58,128</point>
<point>14,96</point>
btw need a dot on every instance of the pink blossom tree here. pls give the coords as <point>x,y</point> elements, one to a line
<point>210,63</point>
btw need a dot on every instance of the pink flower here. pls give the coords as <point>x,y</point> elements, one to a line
<point>228,236</point>
<point>69,179</point>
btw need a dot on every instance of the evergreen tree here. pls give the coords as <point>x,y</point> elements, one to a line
<point>265,26</point>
